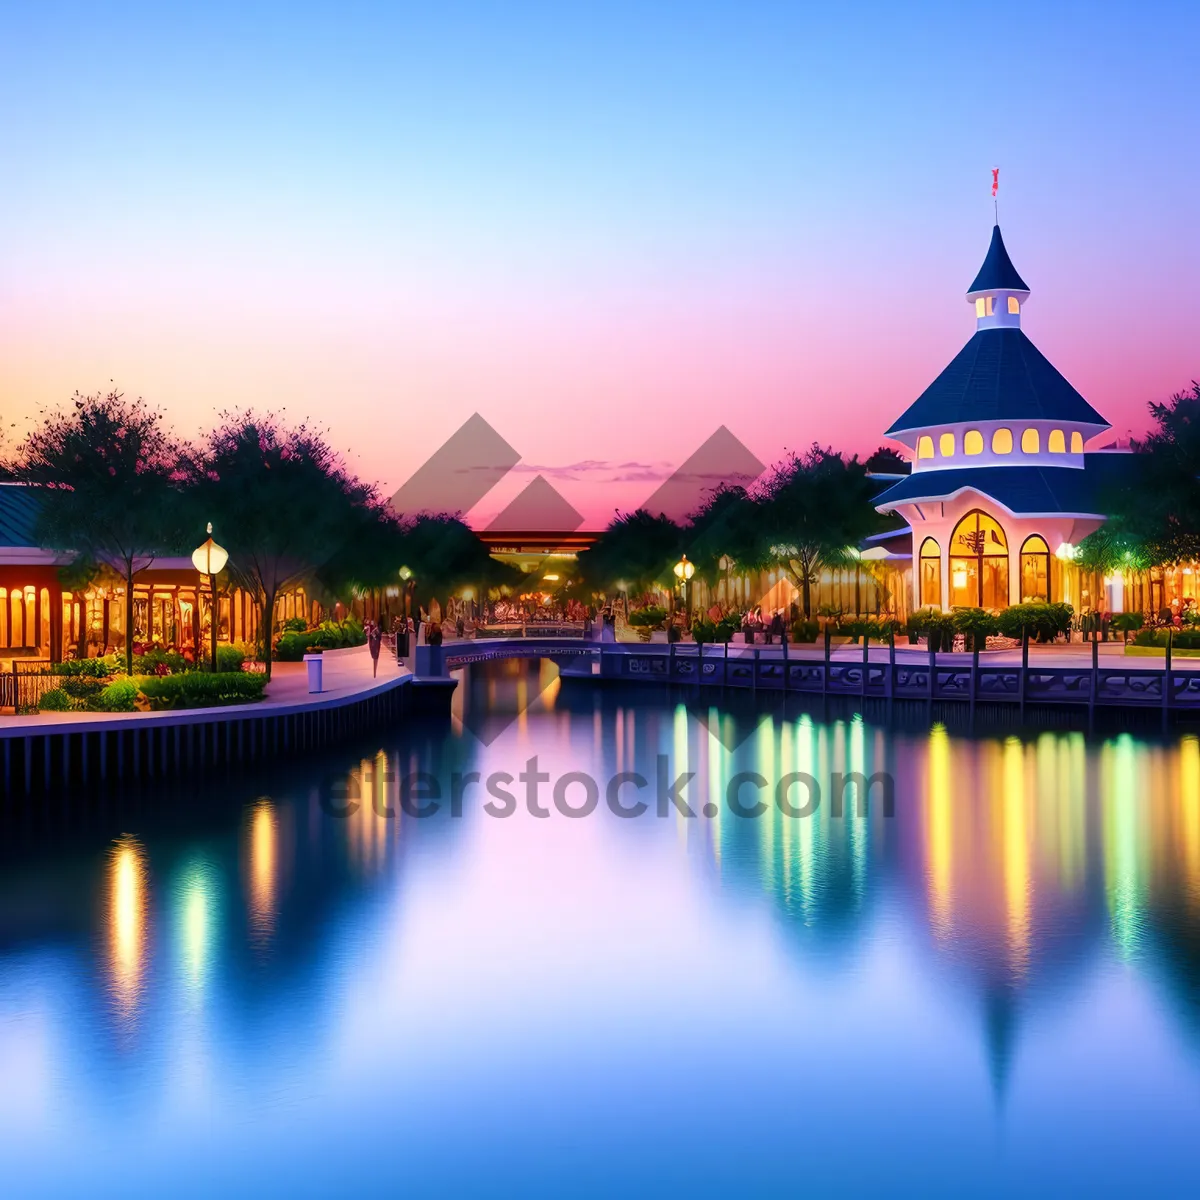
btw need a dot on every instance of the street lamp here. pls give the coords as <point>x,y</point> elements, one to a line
<point>210,559</point>
<point>684,570</point>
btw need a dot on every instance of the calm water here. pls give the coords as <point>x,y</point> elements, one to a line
<point>227,989</point>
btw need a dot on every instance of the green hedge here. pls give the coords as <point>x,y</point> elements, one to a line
<point>194,689</point>
<point>1044,621</point>
<point>200,690</point>
<point>293,645</point>
<point>119,696</point>
<point>91,668</point>
<point>651,616</point>
<point>805,631</point>
<point>704,630</point>
<point>1181,639</point>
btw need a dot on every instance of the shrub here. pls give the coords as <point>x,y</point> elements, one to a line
<point>119,696</point>
<point>201,690</point>
<point>1181,639</point>
<point>1127,622</point>
<point>55,700</point>
<point>88,668</point>
<point>159,662</point>
<point>923,620</point>
<point>329,635</point>
<point>652,616</point>
<point>84,691</point>
<point>1043,621</point>
<point>294,625</point>
<point>976,625</point>
<point>805,631</point>
<point>231,658</point>
<point>705,630</point>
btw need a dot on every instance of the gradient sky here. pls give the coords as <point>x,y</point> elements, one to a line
<point>607,230</point>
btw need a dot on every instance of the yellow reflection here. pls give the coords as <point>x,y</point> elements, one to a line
<point>858,827</point>
<point>805,762</point>
<point>197,902</point>
<point>938,831</point>
<point>1016,853</point>
<point>127,919</point>
<point>1189,812</point>
<point>263,839</point>
<point>716,772</point>
<point>679,765</point>
<point>1119,772</point>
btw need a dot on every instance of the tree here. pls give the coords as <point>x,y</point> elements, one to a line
<point>634,554</point>
<point>714,531</point>
<point>886,461</point>
<point>108,474</point>
<point>445,554</point>
<point>369,558</point>
<point>810,513</point>
<point>281,501</point>
<point>1152,496</point>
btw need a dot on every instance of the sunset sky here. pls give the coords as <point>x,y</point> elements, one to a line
<point>608,230</point>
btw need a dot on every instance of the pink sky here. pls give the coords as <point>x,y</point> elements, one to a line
<point>606,234</point>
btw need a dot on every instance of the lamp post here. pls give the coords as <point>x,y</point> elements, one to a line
<point>210,559</point>
<point>684,570</point>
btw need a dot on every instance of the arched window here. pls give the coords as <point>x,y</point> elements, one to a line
<point>1057,443</point>
<point>1077,442</point>
<point>1031,442</point>
<point>1014,305</point>
<point>972,442</point>
<point>1002,441</point>
<point>931,573</point>
<point>925,446</point>
<point>978,563</point>
<point>983,306</point>
<point>946,445</point>
<point>1035,569</point>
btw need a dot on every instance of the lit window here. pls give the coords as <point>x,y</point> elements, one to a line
<point>973,442</point>
<point>925,447</point>
<point>1035,569</point>
<point>980,309</point>
<point>1002,441</point>
<point>1031,443</point>
<point>1057,443</point>
<point>1014,305</point>
<point>946,445</point>
<point>1077,443</point>
<point>931,573</point>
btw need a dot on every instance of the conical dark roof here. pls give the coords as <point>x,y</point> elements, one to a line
<point>997,272</point>
<point>999,375</point>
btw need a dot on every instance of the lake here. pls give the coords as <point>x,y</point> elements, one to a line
<point>978,973</point>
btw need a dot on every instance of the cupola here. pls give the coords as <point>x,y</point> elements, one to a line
<point>998,292</point>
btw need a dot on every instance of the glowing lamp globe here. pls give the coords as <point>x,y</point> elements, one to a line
<point>683,569</point>
<point>210,559</point>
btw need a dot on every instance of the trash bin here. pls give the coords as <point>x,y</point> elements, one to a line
<point>314,665</point>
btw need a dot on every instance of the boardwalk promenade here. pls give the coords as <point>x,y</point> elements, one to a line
<point>44,749</point>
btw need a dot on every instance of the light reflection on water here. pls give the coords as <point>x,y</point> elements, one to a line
<point>1015,951</point>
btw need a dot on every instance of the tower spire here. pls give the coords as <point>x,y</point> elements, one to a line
<point>998,291</point>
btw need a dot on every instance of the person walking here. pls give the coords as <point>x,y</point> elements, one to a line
<point>374,641</point>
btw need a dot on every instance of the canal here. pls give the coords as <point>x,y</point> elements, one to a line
<point>381,970</point>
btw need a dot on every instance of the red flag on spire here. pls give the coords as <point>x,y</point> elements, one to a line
<point>995,181</point>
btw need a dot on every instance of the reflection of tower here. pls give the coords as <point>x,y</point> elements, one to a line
<point>1000,1033</point>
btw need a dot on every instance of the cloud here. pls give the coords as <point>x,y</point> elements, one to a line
<point>599,470</point>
